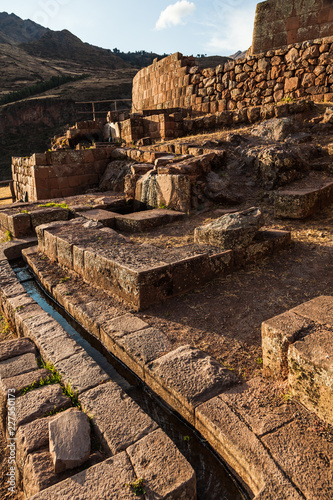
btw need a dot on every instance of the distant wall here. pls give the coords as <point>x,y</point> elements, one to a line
<point>293,72</point>
<point>283,22</point>
<point>58,174</point>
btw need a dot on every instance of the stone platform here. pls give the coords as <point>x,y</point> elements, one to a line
<point>145,275</point>
<point>276,446</point>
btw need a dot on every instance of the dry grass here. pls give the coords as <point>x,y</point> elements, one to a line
<point>4,192</point>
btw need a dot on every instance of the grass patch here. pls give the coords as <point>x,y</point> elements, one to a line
<point>137,486</point>
<point>53,205</point>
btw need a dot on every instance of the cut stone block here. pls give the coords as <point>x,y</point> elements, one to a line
<point>38,473</point>
<point>16,347</point>
<point>306,459</point>
<point>143,221</point>
<point>139,348</point>
<point>310,362</point>
<point>31,437</point>
<point>167,474</point>
<point>104,481</point>
<point>231,231</point>
<point>18,365</point>
<point>253,402</point>
<point>81,372</point>
<point>69,436</point>
<point>187,377</point>
<point>39,402</point>
<point>297,204</point>
<point>19,382</point>
<point>19,225</point>
<point>118,420</point>
<point>242,450</point>
<point>277,335</point>
<point>45,215</point>
<point>319,310</point>
<point>103,216</point>
<point>119,326</point>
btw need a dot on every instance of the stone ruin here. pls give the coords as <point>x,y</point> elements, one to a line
<point>98,196</point>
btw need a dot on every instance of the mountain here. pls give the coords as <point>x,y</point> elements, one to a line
<point>14,30</point>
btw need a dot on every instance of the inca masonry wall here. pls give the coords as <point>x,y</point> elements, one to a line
<point>291,72</point>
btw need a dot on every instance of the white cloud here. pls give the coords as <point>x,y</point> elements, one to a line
<point>174,14</point>
<point>237,34</point>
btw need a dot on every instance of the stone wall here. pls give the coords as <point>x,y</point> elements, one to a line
<point>293,72</point>
<point>159,126</point>
<point>284,22</point>
<point>58,174</point>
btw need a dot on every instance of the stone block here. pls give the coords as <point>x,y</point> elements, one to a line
<point>312,475</point>
<point>122,325</point>
<point>319,309</point>
<point>143,221</point>
<point>186,377</point>
<point>17,347</point>
<point>166,473</point>
<point>19,225</point>
<point>102,481</point>
<point>18,365</point>
<point>141,347</point>
<point>310,362</point>
<point>297,204</point>
<point>107,404</point>
<point>39,402</point>
<point>38,473</point>
<point>69,436</point>
<point>277,334</point>
<point>19,382</point>
<point>230,231</point>
<point>32,437</point>
<point>46,215</point>
<point>81,372</point>
<point>103,216</point>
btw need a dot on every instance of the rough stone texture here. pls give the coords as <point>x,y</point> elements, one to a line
<point>279,165</point>
<point>16,347</point>
<point>113,178</point>
<point>21,381</point>
<point>39,402</point>
<point>187,377</point>
<point>31,437</point>
<point>103,216</point>
<point>139,348</point>
<point>310,362</point>
<point>38,473</point>
<point>107,404</point>
<point>306,458</point>
<point>301,203</point>
<point>319,309</point>
<point>69,436</point>
<point>249,401</point>
<point>242,450</point>
<point>276,129</point>
<point>103,482</point>
<point>166,472</point>
<point>277,334</point>
<point>142,221</point>
<point>18,365</point>
<point>171,191</point>
<point>232,230</point>
<point>81,372</point>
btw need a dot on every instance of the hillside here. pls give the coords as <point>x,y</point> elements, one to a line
<point>14,30</point>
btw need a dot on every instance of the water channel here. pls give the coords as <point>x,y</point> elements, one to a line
<point>214,481</point>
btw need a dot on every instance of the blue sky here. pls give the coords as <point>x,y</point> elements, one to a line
<point>210,27</point>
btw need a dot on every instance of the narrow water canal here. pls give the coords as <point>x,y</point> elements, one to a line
<point>214,482</point>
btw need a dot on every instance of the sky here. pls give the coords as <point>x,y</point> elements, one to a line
<point>212,27</point>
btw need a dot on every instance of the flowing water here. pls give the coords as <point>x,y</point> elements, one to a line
<point>214,482</point>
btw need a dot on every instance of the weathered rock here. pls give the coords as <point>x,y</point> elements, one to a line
<point>39,402</point>
<point>16,347</point>
<point>104,481</point>
<point>107,404</point>
<point>31,437</point>
<point>279,165</point>
<point>18,365</point>
<point>103,216</point>
<point>187,377</point>
<point>319,309</point>
<point>310,362</point>
<point>166,473</point>
<point>81,372</point>
<point>147,219</point>
<point>218,190</point>
<point>69,436</point>
<point>276,129</point>
<point>171,191</point>
<point>114,176</point>
<point>38,473</point>
<point>230,231</point>
<point>24,380</point>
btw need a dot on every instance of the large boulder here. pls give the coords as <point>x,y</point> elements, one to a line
<point>279,165</point>
<point>277,129</point>
<point>231,231</point>
<point>114,176</point>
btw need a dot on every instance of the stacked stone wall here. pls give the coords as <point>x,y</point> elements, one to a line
<point>283,22</point>
<point>58,174</point>
<point>303,70</point>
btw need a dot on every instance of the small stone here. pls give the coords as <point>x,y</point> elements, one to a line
<point>69,436</point>
<point>231,231</point>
